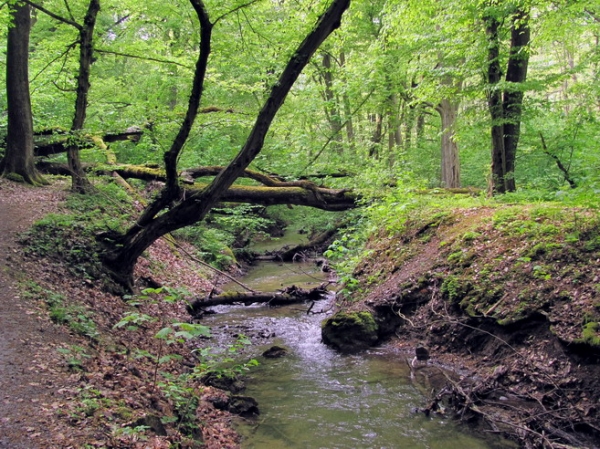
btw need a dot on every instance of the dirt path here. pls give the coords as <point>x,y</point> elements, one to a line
<point>31,386</point>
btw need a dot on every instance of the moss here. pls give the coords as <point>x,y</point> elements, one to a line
<point>461,258</point>
<point>455,288</point>
<point>470,236</point>
<point>590,334</point>
<point>592,245</point>
<point>350,331</point>
<point>14,177</point>
<point>541,249</point>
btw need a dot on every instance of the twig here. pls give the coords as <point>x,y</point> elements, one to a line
<point>204,264</point>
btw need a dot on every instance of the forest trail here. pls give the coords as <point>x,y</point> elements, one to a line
<point>30,384</point>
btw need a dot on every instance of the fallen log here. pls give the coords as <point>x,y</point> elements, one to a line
<point>300,193</point>
<point>289,295</point>
<point>49,143</point>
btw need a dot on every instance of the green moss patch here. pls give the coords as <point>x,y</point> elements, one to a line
<point>350,331</point>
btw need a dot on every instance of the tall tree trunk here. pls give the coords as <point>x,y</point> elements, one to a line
<point>506,107</point>
<point>347,108</point>
<point>332,109</point>
<point>80,183</point>
<point>191,209</point>
<point>450,157</point>
<point>19,150</point>
<point>377,135</point>
<point>516,74</point>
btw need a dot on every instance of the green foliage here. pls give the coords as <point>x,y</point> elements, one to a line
<point>75,357</point>
<point>213,244</point>
<point>224,361</point>
<point>345,253</point>
<point>75,316</point>
<point>181,389</point>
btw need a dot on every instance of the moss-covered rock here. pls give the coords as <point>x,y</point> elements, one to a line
<point>350,331</point>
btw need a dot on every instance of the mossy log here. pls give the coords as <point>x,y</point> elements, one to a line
<point>272,192</point>
<point>325,199</point>
<point>56,142</point>
<point>289,295</point>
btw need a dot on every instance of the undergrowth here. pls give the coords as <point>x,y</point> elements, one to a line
<point>552,221</point>
<point>70,237</point>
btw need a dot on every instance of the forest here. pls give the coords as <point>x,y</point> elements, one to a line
<point>470,126</point>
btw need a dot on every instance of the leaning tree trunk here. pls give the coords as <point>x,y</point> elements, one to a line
<point>80,183</point>
<point>19,150</point>
<point>516,74</point>
<point>191,209</point>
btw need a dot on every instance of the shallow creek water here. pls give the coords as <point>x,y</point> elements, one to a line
<point>317,398</point>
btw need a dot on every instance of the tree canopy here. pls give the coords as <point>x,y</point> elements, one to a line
<point>484,94</point>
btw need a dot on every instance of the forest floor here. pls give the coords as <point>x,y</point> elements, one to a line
<point>73,381</point>
<point>508,298</point>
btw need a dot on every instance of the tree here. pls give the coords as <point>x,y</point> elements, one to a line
<point>155,221</point>
<point>19,143</point>
<point>505,105</point>
<point>80,182</point>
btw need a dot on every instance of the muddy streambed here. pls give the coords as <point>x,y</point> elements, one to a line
<point>316,398</point>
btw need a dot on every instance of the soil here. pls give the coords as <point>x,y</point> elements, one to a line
<point>470,288</point>
<point>31,385</point>
<point>67,386</point>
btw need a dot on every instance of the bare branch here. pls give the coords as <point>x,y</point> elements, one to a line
<point>234,10</point>
<point>63,54</point>
<point>53,15</point>
<point>69,10</point>
<point>145,58</point>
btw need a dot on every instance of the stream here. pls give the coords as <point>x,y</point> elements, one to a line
<point>315,397</point>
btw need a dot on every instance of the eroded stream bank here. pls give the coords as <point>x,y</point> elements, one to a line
<point>316,397</point>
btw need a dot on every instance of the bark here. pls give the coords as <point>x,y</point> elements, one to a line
<point>290,295</point>
<point>298,193</point>
<point>347,109</point>
<point>516,74</point>
<point>324,199</point>
<point>19,150</point>
<point>450,156</point>
<point>80,183</point>
<point>559,164</point>
<point>377,135</point>
<point>193,208</point>
<point>506,107</point>
<point>494,75</point>
<point>332,110</point>
<point>45,146</point>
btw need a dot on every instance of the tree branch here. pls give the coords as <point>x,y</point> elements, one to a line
<point>53,15</point>
<point>559,164</point>
<point>251,2</point>
<point>144,58</point>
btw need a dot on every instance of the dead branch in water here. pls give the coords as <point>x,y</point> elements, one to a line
<point>289,295</point>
